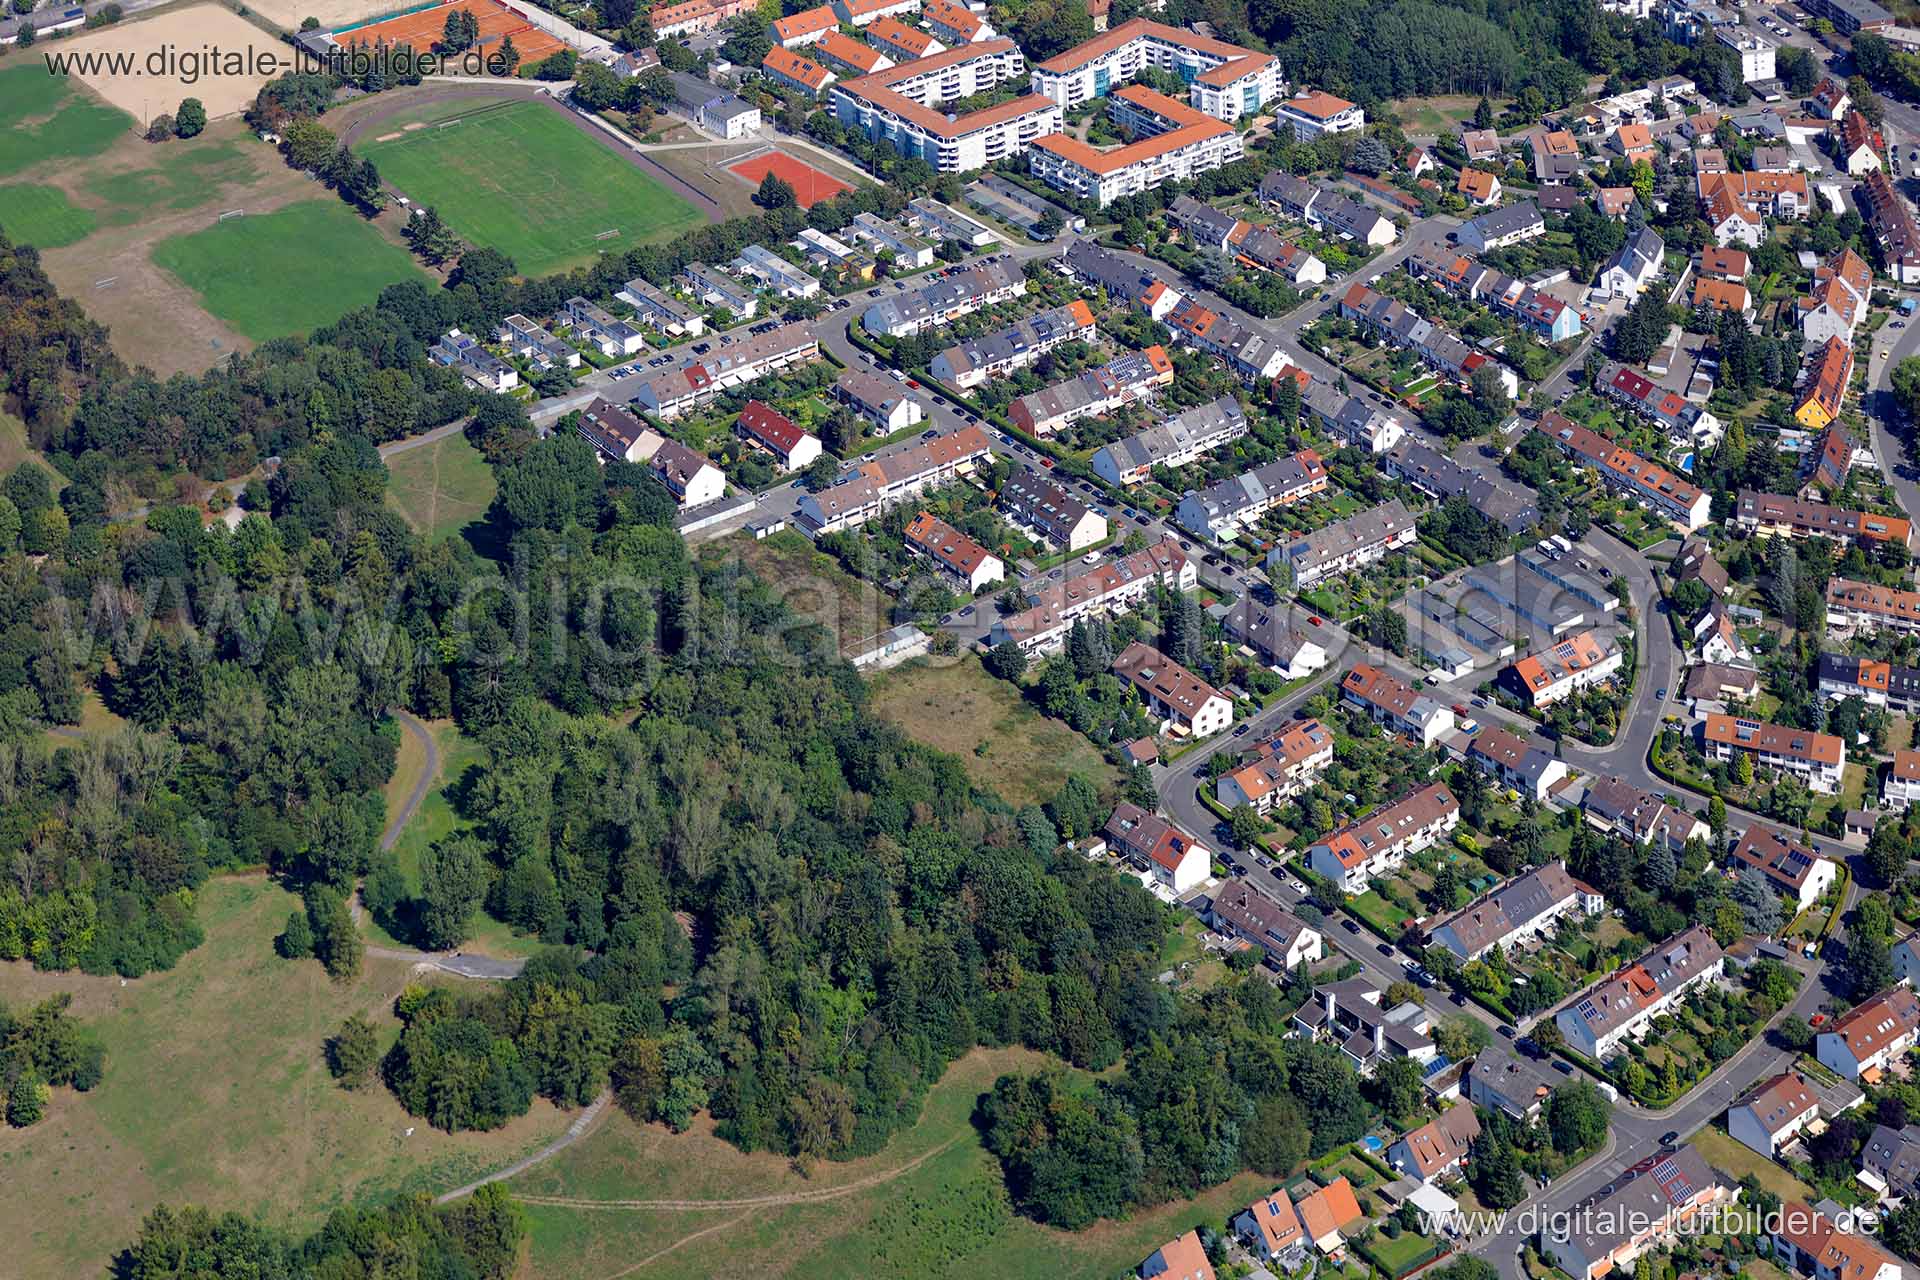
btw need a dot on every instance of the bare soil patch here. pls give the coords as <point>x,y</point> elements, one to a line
<point>184,33</point>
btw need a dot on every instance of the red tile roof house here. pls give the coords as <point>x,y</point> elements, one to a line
<point>1381,841</point>
<point>1151,841</point>
<point>1795,871</point>
<point>1438,1147</point>
<point>792,448</point>
<point>1187,703</point>
<point>1287,765</point>
<point>1773,1113</point>
<point>958,556</point>
<point>1860,1045</point>
<point>1269,1227</point>
<point>1807,1242</point>
<point>1181,1259</point>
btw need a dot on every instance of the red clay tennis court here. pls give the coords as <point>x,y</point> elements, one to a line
<point>810,186</point>
<point>423,29</point>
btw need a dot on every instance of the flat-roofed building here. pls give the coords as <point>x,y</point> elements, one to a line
<point>1817,759</point>
<point>657,307</point>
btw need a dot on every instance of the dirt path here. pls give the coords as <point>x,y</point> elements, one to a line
<point>777,1200</point>
<point>428,775</point>
<point>582,1123</point>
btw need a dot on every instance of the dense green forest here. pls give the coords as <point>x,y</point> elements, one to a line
<point>475,1239</point>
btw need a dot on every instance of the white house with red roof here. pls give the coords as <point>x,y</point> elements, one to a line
<point>1861,1044</point>
<point>1381,841</point>
<point>1773,1113</point>
<point>1176,860</point>
<point>792,447</point>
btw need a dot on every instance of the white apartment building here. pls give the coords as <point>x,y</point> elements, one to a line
<point>1755,50</point>
<point>1225,80</point>
<point>1316,112</point>
<point>901,106</point>
<point>1175,142</point>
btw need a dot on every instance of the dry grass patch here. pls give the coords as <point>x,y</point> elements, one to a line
<point>954,705</point>
<point>216,1092</point>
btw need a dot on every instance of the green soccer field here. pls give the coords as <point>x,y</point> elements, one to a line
<point>526,181</point>
<point>41,216</point>
<point>275,274</point>
<point>50,118</point>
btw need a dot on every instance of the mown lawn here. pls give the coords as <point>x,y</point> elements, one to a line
<point>526,181</point>
<point>259,272</point>
<point>51,118</point>
<point>1739,1160</point>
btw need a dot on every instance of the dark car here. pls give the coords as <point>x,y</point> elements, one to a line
<point>1383,948</point>
<point>1563,1068</point>
<point>1661,692</point>
<point>1507,1031</point>
<point>1459,998</point>
<point>1350,926</point>
<point>1671,1138</point>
